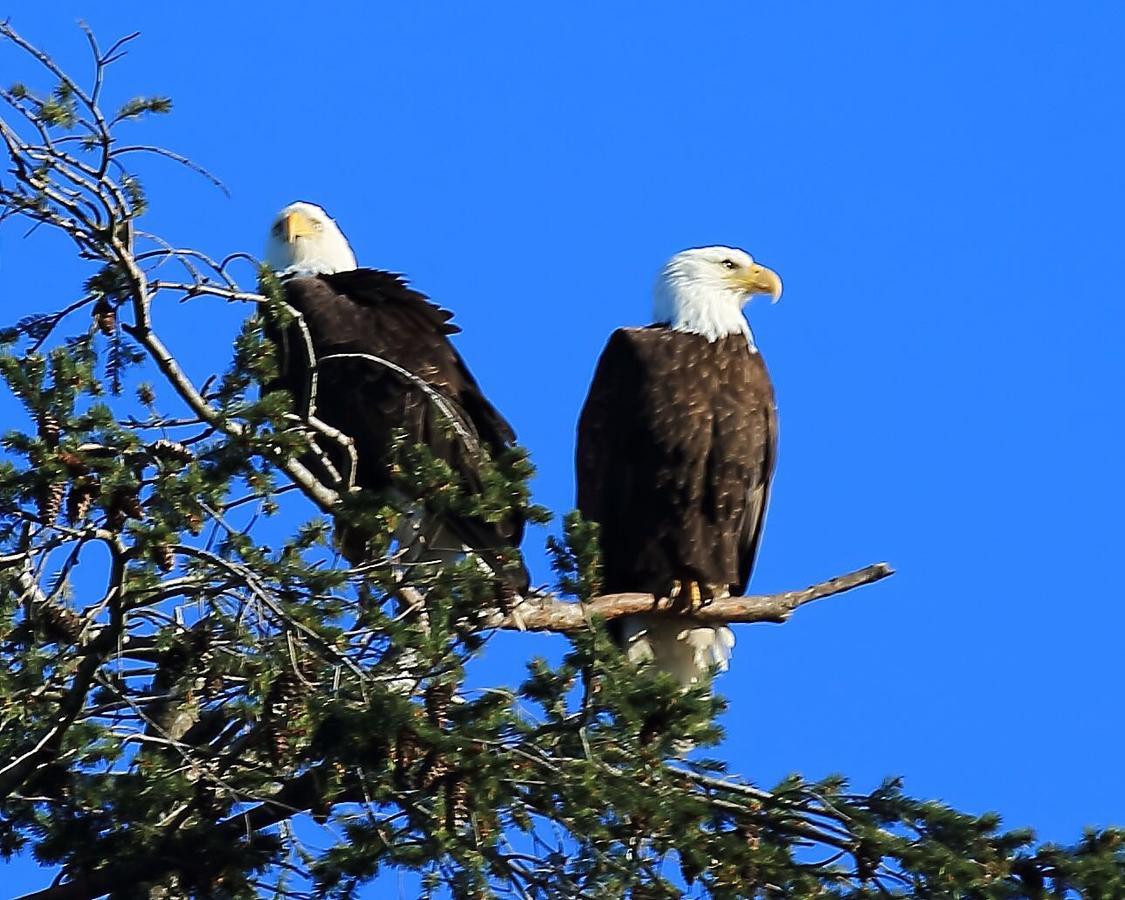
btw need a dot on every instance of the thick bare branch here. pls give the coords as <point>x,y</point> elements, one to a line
<point>549,613</point>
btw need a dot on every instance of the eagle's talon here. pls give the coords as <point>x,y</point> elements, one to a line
<point>701,597</point>
<point>688,596</point>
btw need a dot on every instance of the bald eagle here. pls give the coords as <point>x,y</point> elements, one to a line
<point>377,361</point>
<point>676,448</point>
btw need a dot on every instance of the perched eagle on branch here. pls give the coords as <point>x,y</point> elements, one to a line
<point>374,359</point>
<point>676,449</point>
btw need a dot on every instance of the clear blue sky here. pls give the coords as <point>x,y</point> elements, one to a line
<point>939,184</point>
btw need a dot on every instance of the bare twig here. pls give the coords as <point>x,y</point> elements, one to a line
<point>464,432</point>
<point>175,157</point>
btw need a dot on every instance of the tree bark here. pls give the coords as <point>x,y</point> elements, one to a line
<point>549,613</point>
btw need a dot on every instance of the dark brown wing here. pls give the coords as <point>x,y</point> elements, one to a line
<point>603,433</point>
<point>674,456</point>
<point>617,465</point>
<point>419,330</point>
<point>374,313</point>
<point>758,496</point>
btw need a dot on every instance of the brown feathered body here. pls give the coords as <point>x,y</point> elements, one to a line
<point>676,448</point>
<point>375,313</point>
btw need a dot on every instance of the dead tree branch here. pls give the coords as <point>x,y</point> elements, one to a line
<point>549,613</point>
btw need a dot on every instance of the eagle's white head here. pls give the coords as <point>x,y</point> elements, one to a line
<point>703,290</point>
<point>305,240</point>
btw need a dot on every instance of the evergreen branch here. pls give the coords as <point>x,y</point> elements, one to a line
<point>324,497</point>
<point>19,768</point>
<point>159,734</point>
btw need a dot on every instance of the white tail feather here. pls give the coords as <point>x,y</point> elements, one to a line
<point>686,652</point>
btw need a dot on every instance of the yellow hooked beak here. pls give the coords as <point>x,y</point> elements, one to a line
<point>757,279</point>
<point>297,224</point>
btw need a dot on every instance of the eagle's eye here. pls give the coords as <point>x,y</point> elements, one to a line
<point>276,228</point>
<point>319,226</point>
<point>729,264</point>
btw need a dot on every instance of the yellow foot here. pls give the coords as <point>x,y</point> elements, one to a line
<point>689,596</point>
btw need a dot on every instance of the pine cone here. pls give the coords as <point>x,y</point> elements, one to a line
<point>167,449</point>
<point>131,503</point>
<point>163,556</point>
<point>751,836</point>
<point>123,505</point>
<point>213,684</point>
<point>194,522</point>
<point>73,462</point>
<point>49,500</point>
<point>437,699</point>
<point>49,429</point>
<point>79,500</point>
<point>105,317</point>
<point>281,708</point>
<point>487,824</point>
<point>60,624</point>
<point>407,751</point>
<point>434,773</point>
<point>457,808</point>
